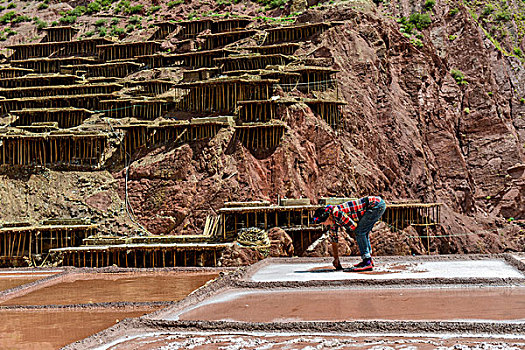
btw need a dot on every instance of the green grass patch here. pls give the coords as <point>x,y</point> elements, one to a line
<point>172,4</point>
<point>458,76</point>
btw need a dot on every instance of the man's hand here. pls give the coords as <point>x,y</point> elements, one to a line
<point>337,264</point>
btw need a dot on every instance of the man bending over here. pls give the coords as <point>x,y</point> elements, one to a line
<point>359,216</point>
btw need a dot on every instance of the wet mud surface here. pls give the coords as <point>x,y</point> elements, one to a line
<point>125,287</point>
<point>200,341</point>
<point>480,297</point>
<point>62,307</point>
<point>13,279</point>
<point>52,329</point>
<point>365,304</point>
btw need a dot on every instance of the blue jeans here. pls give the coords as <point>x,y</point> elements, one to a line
<point>365,225</point>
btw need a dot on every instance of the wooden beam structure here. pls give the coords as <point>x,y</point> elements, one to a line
<point>90,102</point>
<point>18,245</point>
<point>62,90</point>
<point>126,50</point>
<point>149,135</point>
<point>328,110</point>
<point>252,61</point>
<point>295,219</point>
<point>33,80</point>
<point>152,87</point>
<point>192,75</point>
<point>298,32</point>
<point>51,65</point>
<point>222,94</point>
<point>261,111</point>
<point>13,72</point>
<point>217,40</point>
<point>283,49</point>
<point>142,255</point>
<point>146,109</point>
<point>57,34</point>
<point>260,137</point>
<point>190,29</point>
<point>115,69</point>
<point>163,30</point>
<point>65,118</point>
<point>313,79</point>
<point>58,150</point>
<point>85,47</point>
<point>192,60</point>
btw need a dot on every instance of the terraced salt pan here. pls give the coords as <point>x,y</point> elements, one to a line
<point>347,304</point>
<point>14,278</point>
<point>486,268</point>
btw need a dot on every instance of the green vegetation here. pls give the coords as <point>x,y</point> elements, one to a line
<point>175,3</point>
<point>7,17</point>
<point>522,100</point>
<point>272,4</point>
<point>192,15</point>
<point>115,21</point>
<point>154,9</point>
<point>135,19</point>
<point>89,34</point>
<point>39,23</point>
<point>503,23</point>
<point>420,20</point>
<point>487,10</point>
<point>452,37</point>
<point>93,7</point>
<point>9,32</point>
<point>429,4</point>
<point>11,5</point>
<point>117,31</point>
<point>68,19</point>
<point>100,22</point>
<point>458,77</point>
<point>517,51</point>
<point>133,9</point>
<point>417,43</point>
<point>21,18</point>
<point>453,11</point>
<point>102,31</point>
<point>42,6</point>
<point>123,4</point>
<point>130,28</point>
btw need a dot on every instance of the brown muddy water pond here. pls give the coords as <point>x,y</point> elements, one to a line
<point>495,303</point>
<point>52,329</point>
<point>10,280</point>
<point>116,287</point>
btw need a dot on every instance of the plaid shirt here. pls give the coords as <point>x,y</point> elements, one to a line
<point>347,214</point>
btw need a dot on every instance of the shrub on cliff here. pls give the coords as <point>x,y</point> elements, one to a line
<point>429,4</point>
<point>420,20</point>
<point>458,77</point>
<point>7,17</point>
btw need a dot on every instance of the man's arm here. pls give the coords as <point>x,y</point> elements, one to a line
<point>335,247</point>
<point>335,252</point>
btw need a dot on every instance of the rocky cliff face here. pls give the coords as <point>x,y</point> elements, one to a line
<point>435,114</point>
<point>412,129</point>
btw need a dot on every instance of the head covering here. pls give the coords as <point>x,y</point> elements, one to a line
<point>321,214</point>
